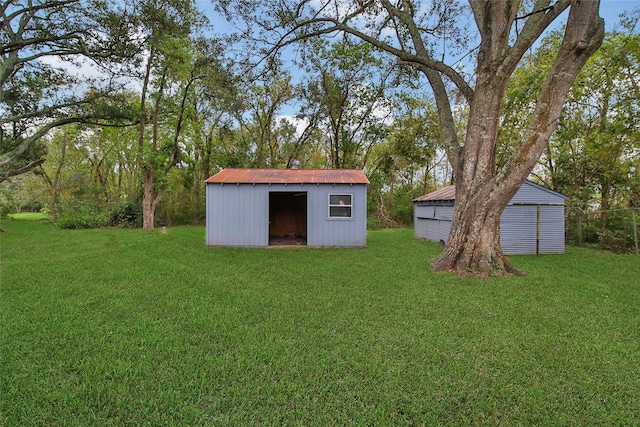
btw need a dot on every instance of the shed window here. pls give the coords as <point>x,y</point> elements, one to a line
<point>340,205</point>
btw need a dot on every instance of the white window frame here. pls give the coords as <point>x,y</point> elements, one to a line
<point>350,206</point>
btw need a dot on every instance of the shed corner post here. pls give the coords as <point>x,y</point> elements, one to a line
<point>538,230</point>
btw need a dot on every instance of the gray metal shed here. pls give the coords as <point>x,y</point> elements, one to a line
<point>262,207</point>
<point>532,222</point>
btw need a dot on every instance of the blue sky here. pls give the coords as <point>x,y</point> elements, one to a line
<point>610,9</point>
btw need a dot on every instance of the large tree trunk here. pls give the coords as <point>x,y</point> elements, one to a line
<point>53,200</point>
<point>148,207</point>
<point>482,192</point>
<point>473,247</point>
<point>150,199</point>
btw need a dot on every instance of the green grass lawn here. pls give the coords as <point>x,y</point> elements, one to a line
<point>123,327</point>
<point>29,216</point>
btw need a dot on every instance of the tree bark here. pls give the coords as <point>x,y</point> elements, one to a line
<point>53,200</point>
<point>482,192</point>
<point>473,246</point>
<point>150,201</point>
<point>143,162</point>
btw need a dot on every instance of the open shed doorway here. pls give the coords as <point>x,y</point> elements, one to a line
<point>287,218</point>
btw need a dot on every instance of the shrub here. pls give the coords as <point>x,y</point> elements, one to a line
<point>126,214</point>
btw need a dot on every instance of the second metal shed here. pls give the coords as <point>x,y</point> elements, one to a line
<point>532,222</point>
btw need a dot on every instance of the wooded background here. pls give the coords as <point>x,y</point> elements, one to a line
<point>111,109</point>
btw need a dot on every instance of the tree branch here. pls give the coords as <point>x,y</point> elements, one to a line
<point>4,175</point>
<point>419,59</point>
<point>584,33</point>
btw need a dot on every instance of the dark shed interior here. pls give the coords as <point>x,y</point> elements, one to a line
<point>287,218</point>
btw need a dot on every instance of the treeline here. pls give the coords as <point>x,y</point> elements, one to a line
<point>170,106</point>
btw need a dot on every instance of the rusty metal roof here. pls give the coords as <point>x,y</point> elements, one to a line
<point>289,176</point>
<point>445,193</point>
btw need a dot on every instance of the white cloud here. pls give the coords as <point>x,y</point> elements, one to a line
<point>300,123</point>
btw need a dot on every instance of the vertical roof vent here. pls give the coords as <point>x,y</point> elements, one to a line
<point>295,164</point>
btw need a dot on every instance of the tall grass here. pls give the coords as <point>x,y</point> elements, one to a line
<point>123,327</point>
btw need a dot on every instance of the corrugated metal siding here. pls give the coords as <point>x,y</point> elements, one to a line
<point>432,229</point>
<point>518,230</point>
<point>532,193</point>
<point>325,231</point>
<point>434,212</point>
<point>432,222</point>
<point>423,211</point>
<point>238,215</point>
<point>552,230</point>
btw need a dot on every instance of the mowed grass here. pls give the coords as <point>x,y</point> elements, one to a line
<point>29,216</point>
<point>123,327</point>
